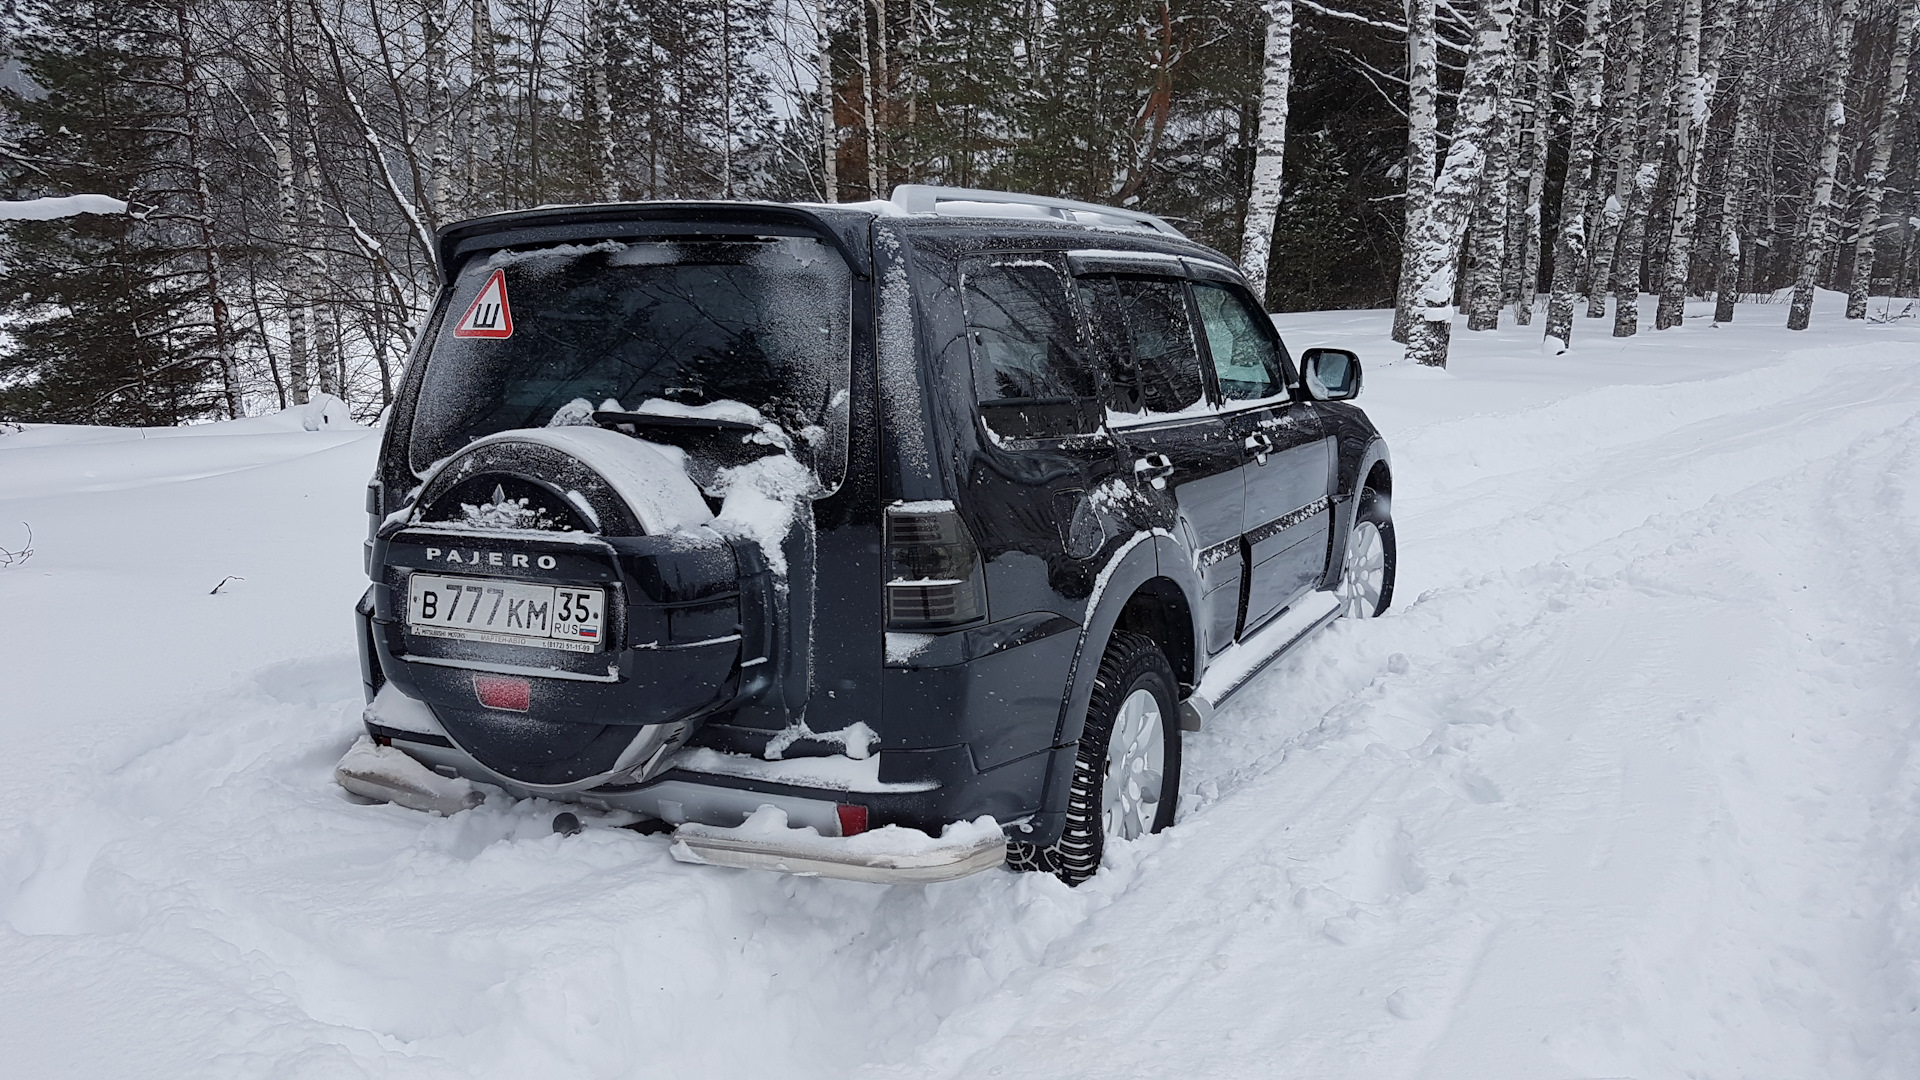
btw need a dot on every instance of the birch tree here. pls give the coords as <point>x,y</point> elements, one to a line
<point>196,163</point>
<point>1628,114</point>
<point>288,172</point>
<point>1739,155</point>
<point>1693,92</point>
<point>1422,149</point>
<point>829,123</point>
<point>1833,120</point>
<point>483,110</point>
<point>1488,249</point>
<point>1874,188</point>
<point>1539,130</point>
<point>1630,251</point>
<point>1570,247</point>
<point>1435,238</point>
<point>1270,146</point>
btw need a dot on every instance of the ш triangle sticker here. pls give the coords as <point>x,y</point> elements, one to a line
<point>489,316</point>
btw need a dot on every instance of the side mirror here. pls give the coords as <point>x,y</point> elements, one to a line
<point>1330,374</point>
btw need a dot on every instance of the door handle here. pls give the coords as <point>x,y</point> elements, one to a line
<point>1260,445</point>
<point>1154,467</point>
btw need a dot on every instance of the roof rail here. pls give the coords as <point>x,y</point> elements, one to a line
<point>926,199</point>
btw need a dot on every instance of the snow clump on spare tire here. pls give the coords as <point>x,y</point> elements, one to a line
<point>593,480</point>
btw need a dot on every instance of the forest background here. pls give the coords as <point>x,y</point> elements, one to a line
<point>284,163</point>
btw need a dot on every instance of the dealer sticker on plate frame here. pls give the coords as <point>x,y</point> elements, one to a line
<point>564,617</point>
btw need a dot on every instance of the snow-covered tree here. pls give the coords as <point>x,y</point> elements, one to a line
<point>1874,188</point>
<point>1423,123</point>
<point>1570,247</point>
<point>1435,237</point>
<point>1270,147</point>
<point>1833,120</point>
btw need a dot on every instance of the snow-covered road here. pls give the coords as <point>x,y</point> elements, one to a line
<point>1623,787</point>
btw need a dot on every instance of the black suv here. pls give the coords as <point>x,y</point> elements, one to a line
<point>890,540</point>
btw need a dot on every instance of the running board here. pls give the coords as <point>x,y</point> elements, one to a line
<point>1236,667</point>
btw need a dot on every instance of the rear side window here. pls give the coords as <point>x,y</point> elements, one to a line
<point>1147,338</point>
<point>1246,356</point>
<point>1031,368</point>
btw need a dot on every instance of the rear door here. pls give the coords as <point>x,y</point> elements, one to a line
<point>1287,468</point>
<point>1170,432</point>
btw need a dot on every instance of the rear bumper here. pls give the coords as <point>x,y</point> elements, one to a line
<point>717,826</point>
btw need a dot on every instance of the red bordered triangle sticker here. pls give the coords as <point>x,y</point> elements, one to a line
<point>489,317</point>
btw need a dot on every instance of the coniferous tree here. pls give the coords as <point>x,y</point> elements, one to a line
<point>108,320</point>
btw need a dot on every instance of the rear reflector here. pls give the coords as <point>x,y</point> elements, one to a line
<point>853,819</point>
<point>500,692</point>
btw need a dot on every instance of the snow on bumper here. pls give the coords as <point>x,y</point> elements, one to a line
<point>385,774</point>
<point>890,855</point>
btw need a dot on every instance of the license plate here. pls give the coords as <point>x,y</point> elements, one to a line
<point>506,612</point>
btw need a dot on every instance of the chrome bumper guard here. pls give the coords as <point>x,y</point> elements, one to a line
<point>384,774</point>
<point>865,857</point>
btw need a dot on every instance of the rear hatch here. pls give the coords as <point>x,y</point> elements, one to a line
<point>549,604</point>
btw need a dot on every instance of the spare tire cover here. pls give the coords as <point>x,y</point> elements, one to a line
<point>586,479</point>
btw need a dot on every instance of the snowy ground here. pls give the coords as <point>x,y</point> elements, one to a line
<point>1623,787</point>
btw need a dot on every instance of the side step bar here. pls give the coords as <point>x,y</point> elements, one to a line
<point>1236,667</point>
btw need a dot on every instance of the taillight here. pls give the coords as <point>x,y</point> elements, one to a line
<point>933,577</point>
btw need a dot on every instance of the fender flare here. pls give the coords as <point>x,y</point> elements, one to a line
<point>1142,558</point>
<point>1347,504</point>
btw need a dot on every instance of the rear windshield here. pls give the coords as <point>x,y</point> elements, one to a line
<point>654,326</point>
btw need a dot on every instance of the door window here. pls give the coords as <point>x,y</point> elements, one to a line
<point>1153,367</point>
<point>1031,371</point>
<point>1245,355</point>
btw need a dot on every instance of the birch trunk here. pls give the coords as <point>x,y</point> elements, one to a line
<point>1833,122</point>
<point>325,341</point>
<point>882,91</point>
<point>1570,247</point>
<point>1422,139</point>
<point>1436,243</point>
<point>1270,146</point>
<point>1540,128</point>
<point>439,114</point>
<point>829,126</point>
<point>1628,112</point>
<point>483,111</point>
<point>606,177</point>
<point>726,99</point>
<point>1871,222</point>
<point>1734,178</point>
<point>1489,232</point>
<point>1694,86</point>
<point>287,170</point>
<point>868,126</point>
<point>1657,104</point>
<point>203,213</point>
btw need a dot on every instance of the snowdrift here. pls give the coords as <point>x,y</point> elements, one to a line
<point>1623,786</point>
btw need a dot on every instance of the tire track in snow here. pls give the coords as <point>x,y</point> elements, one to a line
<point>1307,793</point>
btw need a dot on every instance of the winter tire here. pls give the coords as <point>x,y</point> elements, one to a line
<point>1366,573</point>
<point>1126,778</point>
